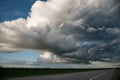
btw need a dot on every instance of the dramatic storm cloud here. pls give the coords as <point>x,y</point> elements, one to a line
<point>75,31</point>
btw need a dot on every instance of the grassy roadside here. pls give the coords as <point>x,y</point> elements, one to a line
<point>116,75</point>
<point>22,72</point>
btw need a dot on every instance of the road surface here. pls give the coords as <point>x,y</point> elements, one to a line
<point>91,75</point>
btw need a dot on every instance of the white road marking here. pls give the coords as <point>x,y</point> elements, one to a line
<point>98,75</point>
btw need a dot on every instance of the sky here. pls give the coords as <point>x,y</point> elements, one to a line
<point>52,33</point>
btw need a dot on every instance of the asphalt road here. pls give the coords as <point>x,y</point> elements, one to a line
<point>91,75</point>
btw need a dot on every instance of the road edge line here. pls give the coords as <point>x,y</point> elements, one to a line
<point>98,75</point>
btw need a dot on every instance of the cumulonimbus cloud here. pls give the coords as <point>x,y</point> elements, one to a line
<point>75,30</point>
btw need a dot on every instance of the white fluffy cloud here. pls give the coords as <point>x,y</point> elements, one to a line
<point>58,26</point>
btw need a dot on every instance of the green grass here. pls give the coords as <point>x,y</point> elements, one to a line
<point>22,72</point>
<point>116,74</point>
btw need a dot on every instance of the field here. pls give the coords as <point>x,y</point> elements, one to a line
<point>22,72</point>
<point>116,74</point>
